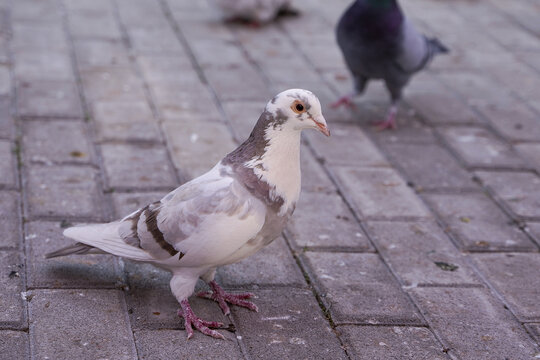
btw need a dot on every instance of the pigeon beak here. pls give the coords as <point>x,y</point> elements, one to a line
<point>322,127</point>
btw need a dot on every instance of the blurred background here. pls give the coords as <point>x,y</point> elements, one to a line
<point>419,242</point>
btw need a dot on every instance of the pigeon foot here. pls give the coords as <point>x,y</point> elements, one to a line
<point>389,123</point>
<point>346,100</point>
<point>192,321</point>
<point>222,298</point>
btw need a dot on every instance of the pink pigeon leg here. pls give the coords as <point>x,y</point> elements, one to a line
<point>346,100</point>
<point>390,122</point>
<point>222,298</point>
<point>192,321</point>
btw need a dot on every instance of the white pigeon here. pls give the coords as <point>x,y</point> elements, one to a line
<point>256,11</point>
<point>221,217</point>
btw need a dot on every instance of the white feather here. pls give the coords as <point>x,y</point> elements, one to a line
<point>106,238</point>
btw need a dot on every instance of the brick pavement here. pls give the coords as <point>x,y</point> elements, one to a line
<point>429,248</point>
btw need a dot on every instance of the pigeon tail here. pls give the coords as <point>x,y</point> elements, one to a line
<point>436,47</point>
<point>75,249</point>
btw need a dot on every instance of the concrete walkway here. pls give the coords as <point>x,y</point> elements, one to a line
<point>420,243</point>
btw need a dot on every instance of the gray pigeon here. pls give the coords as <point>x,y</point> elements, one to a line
<point>378,42</point>
<point>241,205</point>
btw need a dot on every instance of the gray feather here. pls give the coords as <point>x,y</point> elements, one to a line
<point>75,249</point>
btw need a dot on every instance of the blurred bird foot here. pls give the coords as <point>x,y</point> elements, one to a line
<point>222,298</point>
<point>250,23</point>
<point>346,100</point>
<point>389,123</point>
<point>192,321</point>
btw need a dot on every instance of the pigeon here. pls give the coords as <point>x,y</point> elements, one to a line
<point>221,217</point>
<point>379,42</point>
<point>255,12</point>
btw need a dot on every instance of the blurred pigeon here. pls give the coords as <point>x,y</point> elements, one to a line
<point>254,11</point>
<point>221,217</point>
<point>378,42</point>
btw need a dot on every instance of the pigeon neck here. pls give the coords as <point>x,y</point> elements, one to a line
<point>279,165</point>
<point>268,162</point>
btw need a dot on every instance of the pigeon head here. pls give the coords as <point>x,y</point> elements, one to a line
<point>268,162</point>
<point>294,110</point>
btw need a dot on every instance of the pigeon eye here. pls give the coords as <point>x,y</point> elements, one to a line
<point>298,107</point>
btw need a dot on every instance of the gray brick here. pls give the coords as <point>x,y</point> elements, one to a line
<point>51,142</point>
<point>74,271</point>
<point>360,150</point>
<point>63,191</point>
<point>112,84</point>
<point>197,146</point>
<point>8,174</point>
<point>243,115</point>
<point>475,86</point>
<point>519,191</point>
<point>36,11</point>
<point>38,36</point>
<point>534,330</point>
<point>68,324</point>
<point>411,131</point>
<point>97,25</point>
<point>534,230</point>
<point>126,203</point>
<point>337,228</point>
<point>152,305</point>
<point>515,276</point>
<point>273,265</point>
<point>292,72</point>
<point>48,98</point>
<point>92,7</point>
<point>100,53</point>
<point>137,166</point>
<point>531,152</point>
<point>173,344</point>
<point>420,253</point>
<point>230,56</point>
<point>125,121</point>
<point>391,342</point>
<point>12,310</point>
<point>7,125</point>
<point>38,65</point>
<point>443,107</point>
<point>5,81</point>
<point>478,224</point>
<point>144,15</point>
<point>224,80</point>
<point>314,178</point>
<point>168,68</point>
<point>472,324</point>
<point>10,220</point>
<point>367,295</point>
<point>180,102</point>
<point>14,345</point>
<point>513,120</point>
<point>429,166</point>
<point>479,148</point>
<point>156,40</point>
<point>379,193</point>
<point>289,324</point>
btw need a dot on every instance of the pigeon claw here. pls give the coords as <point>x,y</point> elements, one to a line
<point>344,100</point>
<point>390,122</point>
<point>385,125</point>
<point>222,298</point>
<point>192,321</point>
